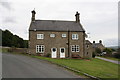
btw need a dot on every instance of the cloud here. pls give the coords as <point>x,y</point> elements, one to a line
<point>9,20</point>
<point>5,4</point>
<point>97,17</point>
<point>111,42</point>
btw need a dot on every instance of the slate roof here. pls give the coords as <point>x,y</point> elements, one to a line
<point>97,44</point>
<point>55,25</point>
<point>88,42</point>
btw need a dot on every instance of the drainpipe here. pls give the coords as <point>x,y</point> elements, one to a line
<point>83,44</point>
<point>68,45</point>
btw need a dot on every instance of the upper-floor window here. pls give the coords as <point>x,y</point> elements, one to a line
<point>40,36</point>
<point>40,48</point>
<point>75,48</point>
<point>74,36</point>
<point>87,46</point>
<point>63,35</point>
<point>52,35</point>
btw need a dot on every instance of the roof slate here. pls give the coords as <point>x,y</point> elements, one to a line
<point>55,25</point>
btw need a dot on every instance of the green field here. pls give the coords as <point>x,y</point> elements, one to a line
<point>94,67</point>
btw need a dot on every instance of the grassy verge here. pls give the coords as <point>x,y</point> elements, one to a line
<point>95,67</point>
<point>112,58</point>
<point>3,49</point>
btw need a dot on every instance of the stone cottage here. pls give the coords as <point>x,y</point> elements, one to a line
<point>98,45</point>
<point>60,39</point>
<point>89,49</point>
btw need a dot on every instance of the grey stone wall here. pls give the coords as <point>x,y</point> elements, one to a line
<point>58,42</point>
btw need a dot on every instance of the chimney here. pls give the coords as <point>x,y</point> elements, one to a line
<point>77,17</point>
<point>33,15</point>
<point>100,41</point>
<point>93,41</point>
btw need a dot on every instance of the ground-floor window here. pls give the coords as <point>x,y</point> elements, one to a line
<point>40,48</point>
<point>75,48</point>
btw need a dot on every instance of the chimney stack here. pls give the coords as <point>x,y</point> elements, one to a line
<point>77,17</point>
<point>33,15</point>
<point>100,41</point>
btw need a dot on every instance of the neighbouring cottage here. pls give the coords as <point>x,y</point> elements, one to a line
<point>88,49</point>
<point>98,45</point>
<point>60,39</point>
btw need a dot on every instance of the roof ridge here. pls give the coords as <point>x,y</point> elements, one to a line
<point>56,20</point>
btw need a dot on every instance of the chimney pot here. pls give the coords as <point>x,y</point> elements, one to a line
<point>33,15</point>
<point>77,17</point>
<point>100,41</point>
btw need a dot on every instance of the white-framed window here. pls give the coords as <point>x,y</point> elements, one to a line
<point>52,35</point>
<point>74,36</point>
<point>40,36</point>
<point>74,48</point>
<point>63,35</point>
<point>40,48</point>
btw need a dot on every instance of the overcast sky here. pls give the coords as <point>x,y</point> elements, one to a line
<point>98,17</point>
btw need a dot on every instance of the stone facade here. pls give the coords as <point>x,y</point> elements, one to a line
<point>88,49</point>
<point>56,42</point>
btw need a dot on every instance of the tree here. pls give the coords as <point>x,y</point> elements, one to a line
<point>98,50</point>
<point>108,50</point>
<point>10,40</point>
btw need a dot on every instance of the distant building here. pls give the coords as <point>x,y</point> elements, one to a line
<point>98,45</point>
<point>91,47</point>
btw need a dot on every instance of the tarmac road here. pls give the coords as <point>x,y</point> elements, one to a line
<point>20,66</point>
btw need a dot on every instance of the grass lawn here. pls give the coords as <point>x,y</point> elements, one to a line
<point>112,58</point>
<point>94,67</point>
<point>3,49</point>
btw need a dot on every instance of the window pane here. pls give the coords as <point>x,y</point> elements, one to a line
<point>75,48</point>
<point>62,50</point>
<point>40,48</point>
<point>54,49</point>
<point>73,36</point>
<point>52,35</point>
<point>63,35</point>
<point>40,36</point>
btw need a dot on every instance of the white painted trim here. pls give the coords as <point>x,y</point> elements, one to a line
<point>62,53</point>
<point>43,48</point>
<point>75,47</point>
<point>52,51</point>
<point>40,36</point>
<point>75,35</point>
<point>64,35</point>
<point>52,35</point>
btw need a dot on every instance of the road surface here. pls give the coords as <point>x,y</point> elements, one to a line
<point>19,66</point>
<point>113,61</point>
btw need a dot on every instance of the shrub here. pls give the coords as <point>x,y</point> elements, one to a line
<point>117,55</point>
<point>48,55</point>
<point>93,54</point>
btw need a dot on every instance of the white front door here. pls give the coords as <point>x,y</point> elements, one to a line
<point>54,52</point>
<point>62,52</point>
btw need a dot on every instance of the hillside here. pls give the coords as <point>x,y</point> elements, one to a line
<point>10,40</point>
